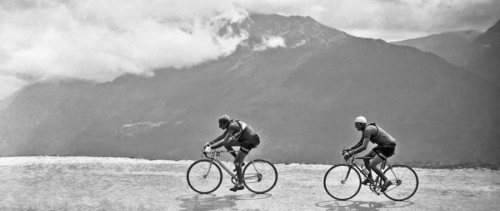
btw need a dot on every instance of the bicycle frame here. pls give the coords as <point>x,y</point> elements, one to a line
<point>376,182</point>
<point>214,158</point>
<point>343,181</point>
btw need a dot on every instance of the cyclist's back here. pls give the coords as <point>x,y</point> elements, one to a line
<point>378,136</point>
<point>243,133</point>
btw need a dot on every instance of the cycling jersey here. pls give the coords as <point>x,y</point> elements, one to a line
<point>378,136</point>
<point>244,134</point>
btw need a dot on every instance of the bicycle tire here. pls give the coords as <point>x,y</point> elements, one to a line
<point>260,176</point>
<point>201,180</point>
<point>340,179</point>
<point>404,182</point>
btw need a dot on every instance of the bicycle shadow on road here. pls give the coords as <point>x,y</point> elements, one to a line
<point>361,205</point>
<point>214,202</point>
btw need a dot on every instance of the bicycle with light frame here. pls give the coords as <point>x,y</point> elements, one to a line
<point>343,181</point>
<point>205,175</point>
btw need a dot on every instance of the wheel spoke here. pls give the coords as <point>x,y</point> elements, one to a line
<point>204,176</point>
<point>342,182</point>
<point>260,176</point>
<point>405,182</point>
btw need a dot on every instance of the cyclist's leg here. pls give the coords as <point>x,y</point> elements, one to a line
<point>229,147</point>
<point>367,162</point>
<point>373,165</point>
<point>382,154</point>
<point>240,157</point>
<point>238,163</point>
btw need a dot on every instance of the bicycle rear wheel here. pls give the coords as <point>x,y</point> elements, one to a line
<point>204,176</point>
<point>342,182</point>
<point>404,182</point>
<point>260,176</point>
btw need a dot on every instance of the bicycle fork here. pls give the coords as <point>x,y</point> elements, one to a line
<point>346,176</point>
<point>209,168</point>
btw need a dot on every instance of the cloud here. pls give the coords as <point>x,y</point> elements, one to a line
<point>9,85</point>
<point>301,43</point>
<point>101,40</point>
<point>270,42</point>
<point>388,19</point>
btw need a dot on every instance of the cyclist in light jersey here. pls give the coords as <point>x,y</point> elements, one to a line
<point>236,133</point>
<point>386,147</point>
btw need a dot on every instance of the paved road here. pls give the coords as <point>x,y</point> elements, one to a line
<point>48,183</point>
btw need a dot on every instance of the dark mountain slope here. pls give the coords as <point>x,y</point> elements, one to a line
<point>477,53</point>
<point>484,53</point>
<point>445,45</point>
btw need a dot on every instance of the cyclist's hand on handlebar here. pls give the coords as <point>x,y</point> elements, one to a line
<point>207,149</point>
<point>347,156</point>
<point>346,153</point>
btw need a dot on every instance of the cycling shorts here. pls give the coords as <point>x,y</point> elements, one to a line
<point>384,152</point>
<point>246,147</point>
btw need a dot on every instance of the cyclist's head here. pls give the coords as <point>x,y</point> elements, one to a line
<point>360,123</point>
<point>224,121</point>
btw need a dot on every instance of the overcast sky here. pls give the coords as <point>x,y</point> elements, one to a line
<point>99,40</point>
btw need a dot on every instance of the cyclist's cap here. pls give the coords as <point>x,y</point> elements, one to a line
<point>224,119</point>
<point>360,119</point>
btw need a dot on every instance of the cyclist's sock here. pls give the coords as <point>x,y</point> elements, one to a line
<point>238,173</point>
<point>242,165</point>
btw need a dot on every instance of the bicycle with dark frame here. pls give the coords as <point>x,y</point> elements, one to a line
<point>205,175</point>
<point>343,181</point>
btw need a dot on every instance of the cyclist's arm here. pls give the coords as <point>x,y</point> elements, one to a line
<point>225,139</point>
<point>360,143</point>
<point>218,138</point>
<point>357,149</point>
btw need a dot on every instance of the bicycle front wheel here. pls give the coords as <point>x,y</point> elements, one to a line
<point>404,182</point>
<point>204,176</point>
<point>342,182</point>
<point>260,176</point>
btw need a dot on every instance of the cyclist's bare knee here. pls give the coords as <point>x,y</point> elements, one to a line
<point>375,161</point>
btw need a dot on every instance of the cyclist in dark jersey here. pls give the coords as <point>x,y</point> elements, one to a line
<point>386,147</point>
<point>236,133</point>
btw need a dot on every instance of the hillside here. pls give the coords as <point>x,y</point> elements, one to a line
<point>484,53</point>
<point>476,52</point>
<point>299,83</point>
<point>445,45</point>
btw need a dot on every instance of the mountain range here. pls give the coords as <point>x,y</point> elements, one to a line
<point>476,52</point>
<point>301,96</point>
